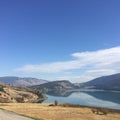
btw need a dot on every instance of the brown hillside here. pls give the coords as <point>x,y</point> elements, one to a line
<point>10,94</point>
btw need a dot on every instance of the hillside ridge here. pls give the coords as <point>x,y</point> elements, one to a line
<point>21,81</point>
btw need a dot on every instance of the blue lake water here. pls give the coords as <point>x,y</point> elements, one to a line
<point>98,98</point>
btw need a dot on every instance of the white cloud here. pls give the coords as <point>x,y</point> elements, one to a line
<point>87,75</point>
<point>97,63</point>
<point>51,67</point>
<point>81,78</point>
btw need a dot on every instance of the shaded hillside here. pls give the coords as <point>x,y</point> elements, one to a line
<point>18,94</point>
<point>55,86</point>
<point>111,82</point>
<point>17,81</point>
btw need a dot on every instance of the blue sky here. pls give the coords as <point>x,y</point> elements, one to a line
<point>59,39</point>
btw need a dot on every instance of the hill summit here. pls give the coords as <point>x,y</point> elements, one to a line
<point>19,81</point>
<point>55,86</point>
<point>111,82</point>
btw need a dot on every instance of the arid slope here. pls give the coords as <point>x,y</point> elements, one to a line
<point>11,94</point>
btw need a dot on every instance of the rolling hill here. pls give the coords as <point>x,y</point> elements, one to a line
<point>18,81</point>
<point>111,82</point>
<point>11,94</point>
<point>55,86</point>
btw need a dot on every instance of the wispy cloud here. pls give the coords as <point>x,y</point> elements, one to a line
<point>97,63</point>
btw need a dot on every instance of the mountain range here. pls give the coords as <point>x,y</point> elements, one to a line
<point>111,82</point>
<point>10,93</point>
<point>19,81</point>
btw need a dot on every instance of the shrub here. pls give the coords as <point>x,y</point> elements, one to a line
<point>1,88</point>
<point>56,102</point>
<point>20,99</point>
<point>99,111</point>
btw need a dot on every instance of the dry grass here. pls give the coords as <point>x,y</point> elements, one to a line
<point>47,112</point>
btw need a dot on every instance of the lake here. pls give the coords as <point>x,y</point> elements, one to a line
<point>98,98</point>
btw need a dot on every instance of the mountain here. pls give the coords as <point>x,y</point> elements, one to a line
<point>55,86</point>
<point>111,82</point>
<point>11,94</point>
<point>18,81</point>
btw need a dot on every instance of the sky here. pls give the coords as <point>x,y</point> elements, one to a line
<point>76,40</point>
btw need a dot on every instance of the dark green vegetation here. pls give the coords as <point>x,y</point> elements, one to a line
<point>1,89</point>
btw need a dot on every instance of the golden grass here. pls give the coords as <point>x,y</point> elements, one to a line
<point>47,112</point>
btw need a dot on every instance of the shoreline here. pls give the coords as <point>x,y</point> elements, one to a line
<point>79,105</point>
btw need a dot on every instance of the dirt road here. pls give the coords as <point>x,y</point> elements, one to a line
<point>6,115</point>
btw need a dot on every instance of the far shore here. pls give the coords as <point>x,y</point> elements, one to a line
<point>61,112</point>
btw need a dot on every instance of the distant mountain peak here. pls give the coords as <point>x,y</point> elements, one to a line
<point>110,82</point>
<point>21,81</point>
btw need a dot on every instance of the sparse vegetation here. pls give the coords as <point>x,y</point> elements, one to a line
<point>70,105</point>
<point>1,89</point>
<point>60,112</point>
<point>39,93</point>
<point>20,99</point>
<point>99,111</point>
<point>19,94</point>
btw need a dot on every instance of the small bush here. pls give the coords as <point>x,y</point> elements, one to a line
<point>51,105</point>
<point>56,103</point>
<point>99,111</point>
<point>71,105</point>
<point>1,88</point>
<point>20,99</point>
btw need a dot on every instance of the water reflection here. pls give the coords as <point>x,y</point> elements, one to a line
<point>62,93</point>
<point>98,98</point>
<point>106,95</point>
